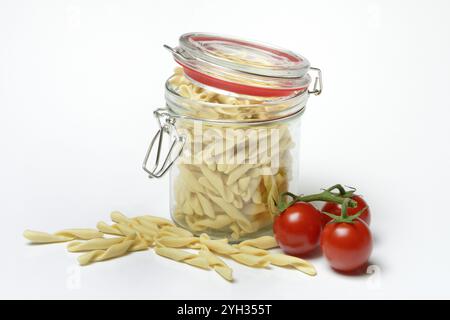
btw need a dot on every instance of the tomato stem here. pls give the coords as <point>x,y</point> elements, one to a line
<point>344,217</point>
<point>326,196</point>
<point>342,192</point>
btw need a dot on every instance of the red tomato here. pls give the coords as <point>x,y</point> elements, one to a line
<point>335,209</point>
<point>347,246</point>
<point>298,228</point>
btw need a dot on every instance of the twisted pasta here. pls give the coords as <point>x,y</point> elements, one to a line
<point>139,233</point>
<point>61,236</point>
<point>116,250</point>
<point>217,264</point>
<point>94,244</point>
<point>265,242</point>
<point>283,260</point>
<point>220,177</point>
<point>183,256</point>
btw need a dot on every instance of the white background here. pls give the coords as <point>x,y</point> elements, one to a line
<point>79,81</point>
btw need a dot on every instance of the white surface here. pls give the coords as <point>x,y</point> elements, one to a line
<point>79,81</point>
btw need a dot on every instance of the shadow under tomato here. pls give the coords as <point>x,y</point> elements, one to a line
<point>363,271</point>
<point>360,272</point>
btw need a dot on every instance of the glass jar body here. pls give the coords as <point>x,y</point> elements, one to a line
<point>230,175</point>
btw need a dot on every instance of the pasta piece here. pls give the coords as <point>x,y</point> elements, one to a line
<point>62,236</point>
<point>219,222</point>
<point>232,211</point>
<point>148,224</point>
<point>253,251</point>
<point>206,206</point>
<point>107,229</point>
<point>250,260</point>
<point>243,183</point>
<point>265,242</point>
<point>187,208</point>
<point>93,244</point>
<point>283,260</point>
<point>217,264</point>
<point>238,203</point>
<point>218,246</point>
<point>120,218</point>
<point>113,251</point>
<point>252,209</point>
<point>235,189</point>
<point>116,229</point>
<point>190,179</point>
<point>192,224</point>
<point>177,242</point>
<point>205,183</point>
<point>125,229</point>
<point>237,173</point>
<point>157,220</point>
<point>236,234</point>
<point>214,180</point>
<point>176,231</point>
<point>148,234</point>
<point>257,198</point>
<point>139,244</point>
<point>183,256</point>
<point>195,204</point>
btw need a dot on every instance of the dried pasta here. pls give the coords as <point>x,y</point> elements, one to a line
<point>169,241</point>
<point>283,260</point>
<point>116,250</point>
<point>209,184</point>
<point>61,236</point>
<point>94,244</point>
<point>217,264</point>
<point>264,242</point>
<point>183,256</point>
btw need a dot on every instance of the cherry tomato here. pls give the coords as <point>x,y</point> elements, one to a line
<point>298,228</point>
<point>335,209</point>
<point>347,246</point>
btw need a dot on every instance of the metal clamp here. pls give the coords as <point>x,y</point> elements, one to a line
<point>317,89</point>
<point>166,126</point>
<point>178,53</point>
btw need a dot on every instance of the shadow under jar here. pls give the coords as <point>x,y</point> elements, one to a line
<point>232,115</point>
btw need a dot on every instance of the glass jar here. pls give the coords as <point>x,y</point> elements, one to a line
<point>233,118</point>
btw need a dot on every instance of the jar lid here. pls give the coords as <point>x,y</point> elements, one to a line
<point>241,66</point>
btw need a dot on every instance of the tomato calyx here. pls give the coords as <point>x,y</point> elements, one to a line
<point>344,217</point>
<point>326,195</point>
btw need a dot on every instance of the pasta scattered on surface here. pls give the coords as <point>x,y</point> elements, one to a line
<point>169,241</point>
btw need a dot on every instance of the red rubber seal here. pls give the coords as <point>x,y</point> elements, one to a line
<point>236,87</point>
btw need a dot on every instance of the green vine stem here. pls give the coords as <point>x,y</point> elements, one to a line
<point>342,192</point>
<point>325,196</point>
<point>344,217</point>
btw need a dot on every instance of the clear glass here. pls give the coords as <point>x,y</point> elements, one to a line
<point>240,154</point>
<point>242,61</point>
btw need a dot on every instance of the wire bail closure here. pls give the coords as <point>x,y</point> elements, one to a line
<point>317,88</point>
<point>166,126</point>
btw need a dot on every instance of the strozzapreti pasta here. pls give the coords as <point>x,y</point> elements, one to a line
<point>230,176</point>
<point>169,241</point>
<point>62,236</point>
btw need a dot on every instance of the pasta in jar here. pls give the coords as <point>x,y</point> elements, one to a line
<point>239,133</point>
